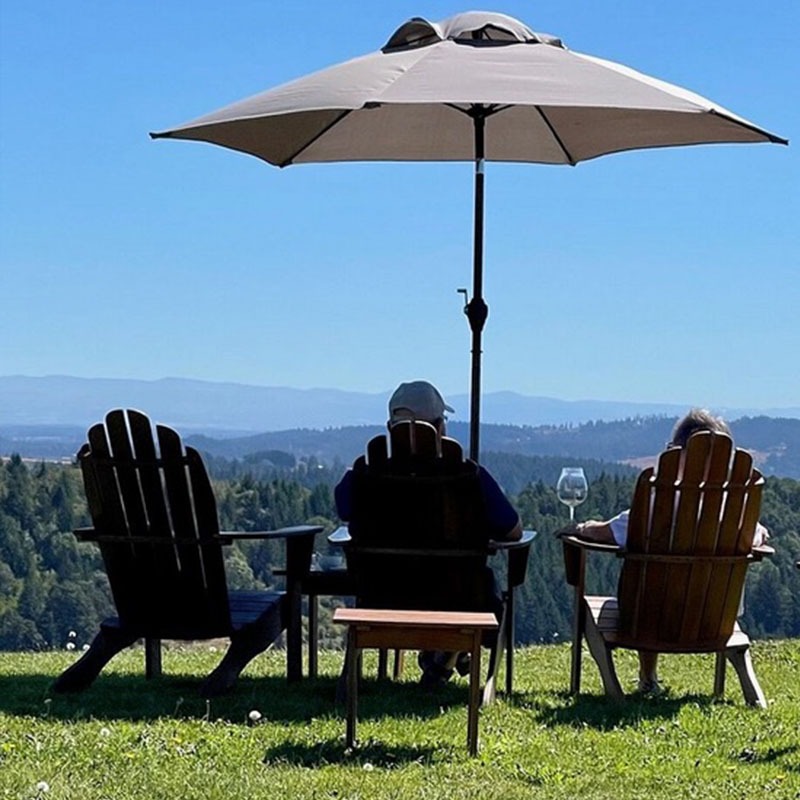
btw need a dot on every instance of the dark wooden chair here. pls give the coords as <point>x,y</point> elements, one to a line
<point>689,544</point>
<point>155,521</point>
<point>418,537</point>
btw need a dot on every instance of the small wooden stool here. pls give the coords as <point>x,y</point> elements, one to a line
<point>453,631</point>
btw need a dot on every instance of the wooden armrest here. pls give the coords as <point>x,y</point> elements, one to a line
<point>279,533</point>
<point>513,544</point>
<point>585,544</point>
<point>85,534</point>
<point>91,535</point>
<point>575,550</point>
<point>518,551</point>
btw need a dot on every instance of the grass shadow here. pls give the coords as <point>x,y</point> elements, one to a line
<point>601,713</point>
<point>367,754</point>
<point>781,755</point>
<point>116,696</point>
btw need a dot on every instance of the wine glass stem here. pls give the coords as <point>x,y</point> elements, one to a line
<point>572,513</point>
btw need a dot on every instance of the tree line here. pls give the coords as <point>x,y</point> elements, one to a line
<point>52,586</point>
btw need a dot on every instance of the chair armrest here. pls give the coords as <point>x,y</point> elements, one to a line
<point>518,551</point>
<point>291,532</point>
<point>85,534</point>
<point>586,544</point>
<point>299,546</point>
<point>513,544</point>
<point>575,550</point>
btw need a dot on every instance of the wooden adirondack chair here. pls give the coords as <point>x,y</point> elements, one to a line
<point>155,521</point>
<point>418,536</point>
<point>690,537</point>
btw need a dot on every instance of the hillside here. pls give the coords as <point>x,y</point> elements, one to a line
<point>775,442</point>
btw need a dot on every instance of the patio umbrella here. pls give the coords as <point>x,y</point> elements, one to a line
<point>472,87</point>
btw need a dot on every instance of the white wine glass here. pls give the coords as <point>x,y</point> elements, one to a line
<point>572,488</point>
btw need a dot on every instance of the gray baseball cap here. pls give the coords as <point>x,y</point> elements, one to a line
<point>417,400</point>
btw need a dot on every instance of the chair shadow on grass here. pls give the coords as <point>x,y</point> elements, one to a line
<point>131,697</point>
<point>601,713</point>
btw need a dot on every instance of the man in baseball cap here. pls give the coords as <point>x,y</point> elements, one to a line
<point>420,401</point>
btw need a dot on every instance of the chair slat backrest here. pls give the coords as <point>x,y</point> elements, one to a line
<point>418,527</point>
<point>691,528</point>
<point>155,515</point>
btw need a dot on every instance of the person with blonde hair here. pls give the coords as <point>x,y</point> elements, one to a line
<point>615,530</point>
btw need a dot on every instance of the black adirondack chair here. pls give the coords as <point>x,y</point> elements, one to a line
<point>418,538</point>
<point>155,521</point>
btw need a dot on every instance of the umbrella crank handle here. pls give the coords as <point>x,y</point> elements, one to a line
<point>476,310</point>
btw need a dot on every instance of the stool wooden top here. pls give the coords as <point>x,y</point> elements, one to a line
<point>390,617</point>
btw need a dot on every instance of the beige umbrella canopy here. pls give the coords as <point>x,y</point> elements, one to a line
<point>475,86</point>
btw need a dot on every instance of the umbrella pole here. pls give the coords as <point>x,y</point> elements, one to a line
<point>477,310</point>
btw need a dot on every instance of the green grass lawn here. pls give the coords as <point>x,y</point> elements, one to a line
<point>128,738</point>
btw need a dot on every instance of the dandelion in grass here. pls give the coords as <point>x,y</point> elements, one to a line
<point>368,767</point>
<point>105,733</point>
<point>43,787</point>
<point>254,717</point>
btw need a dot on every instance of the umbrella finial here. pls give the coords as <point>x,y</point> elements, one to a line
<point>467,28</point>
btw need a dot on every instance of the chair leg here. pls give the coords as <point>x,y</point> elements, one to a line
<point>743,664</point>
<point>578,632</point>
<point>495,660</point>
<point>383,663</point>
<point>108,642</point>
<point>474,696</point>
<point>719,675</point>
<point>313,635</point>
<point>601,653</point>
<point>399,659</point>
<point>509,642</point>
<point>152,658</point>
<point>245,645</point>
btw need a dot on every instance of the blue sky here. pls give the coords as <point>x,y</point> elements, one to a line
<point>664,276</point>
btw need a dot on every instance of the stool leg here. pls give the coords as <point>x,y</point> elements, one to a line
<point>474,696</point>
<point>354,656</point>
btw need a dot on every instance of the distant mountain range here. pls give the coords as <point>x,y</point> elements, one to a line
<point>230,409</point>
<point>48,418</point>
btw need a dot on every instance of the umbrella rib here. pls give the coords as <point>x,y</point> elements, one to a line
<point>319,134</point>
<point>744,124</point>
<point>555,135</point>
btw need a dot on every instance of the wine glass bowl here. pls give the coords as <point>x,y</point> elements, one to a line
<point>572,488</point>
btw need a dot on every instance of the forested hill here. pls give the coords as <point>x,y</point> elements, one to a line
<point>775,442</point>
<point>51,585</point>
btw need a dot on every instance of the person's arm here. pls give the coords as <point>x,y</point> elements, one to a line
<point>761,535</point>
<point>614,531</point>
<point>595,531</point>
<point>342,494</point>
<point>504,522</point>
